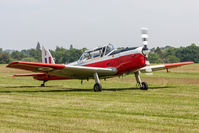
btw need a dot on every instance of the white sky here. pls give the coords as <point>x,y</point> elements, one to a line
<point>90,23</point>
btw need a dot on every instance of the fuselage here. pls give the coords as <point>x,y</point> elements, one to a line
<point>122,60</point>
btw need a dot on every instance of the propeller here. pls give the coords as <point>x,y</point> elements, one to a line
<point>145,49</point>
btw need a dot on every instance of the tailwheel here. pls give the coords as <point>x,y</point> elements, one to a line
<point>97,87</point>
<point>144,86</point>
<point>43,85</point>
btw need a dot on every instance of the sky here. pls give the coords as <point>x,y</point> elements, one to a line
<point>92,23</point>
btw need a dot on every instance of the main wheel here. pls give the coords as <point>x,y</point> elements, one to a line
<point>144,86</point>
<point>97,87</point>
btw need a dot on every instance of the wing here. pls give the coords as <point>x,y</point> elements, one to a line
<point>82,72</point>
<point>164,66</point>
<point>79,72</point>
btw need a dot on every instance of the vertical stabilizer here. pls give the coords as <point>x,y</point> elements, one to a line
<point>46,56</point>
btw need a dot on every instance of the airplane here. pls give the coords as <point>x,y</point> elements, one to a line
<point>99,63</point>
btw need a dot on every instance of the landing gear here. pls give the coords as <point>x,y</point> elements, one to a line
<point>97,86</point>
<point>43,85</point>
<point>143,85</point>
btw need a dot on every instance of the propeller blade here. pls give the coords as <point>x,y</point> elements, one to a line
<point>144,36</point>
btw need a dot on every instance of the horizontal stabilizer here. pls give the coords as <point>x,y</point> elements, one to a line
<point>25,75</point>
<point>35,67</point>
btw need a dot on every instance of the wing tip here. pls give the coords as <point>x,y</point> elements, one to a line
<point>14,62</point>
<point>179,64</point>
<point>12,75</point>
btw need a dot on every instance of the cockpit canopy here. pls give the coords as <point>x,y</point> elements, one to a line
<point>97,52</point>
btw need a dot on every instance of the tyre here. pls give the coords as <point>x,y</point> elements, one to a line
<point>42,85</point>
<point>97,87</point>
<point>144,86</point>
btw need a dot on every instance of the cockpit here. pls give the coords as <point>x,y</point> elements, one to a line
<point>97,52</point>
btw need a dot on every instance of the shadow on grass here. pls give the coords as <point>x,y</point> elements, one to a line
<point>136,88</point>
<point>70,89</point>
<point>162,87</point>
<point>30,87</point>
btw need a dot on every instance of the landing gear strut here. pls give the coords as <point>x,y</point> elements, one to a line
<point>97,86</point>
<point>43,85</point>
<point>143,85</point>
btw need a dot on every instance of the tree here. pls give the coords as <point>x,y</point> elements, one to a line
<point>18,55</point>
<point>63,55</point>
<point>4,58</point>
<point>24,51</point>
<point>71,47</point>
<point>35,54</point>
<point>169,51</point>
<point>60,55</point>
<point>74,54</point>
<point>169,55</point>
<point>154,58</point>
<point>189,53</point>
<point>83,50</point>
<point>158,51</point>
<point>29,59</point>
<point>172,59</point>
<point>38,47</point>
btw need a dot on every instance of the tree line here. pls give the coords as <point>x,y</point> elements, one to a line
<point>170,54</point>
<point>62,55</point>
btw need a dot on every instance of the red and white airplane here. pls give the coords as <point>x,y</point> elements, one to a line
<point>102,62</point>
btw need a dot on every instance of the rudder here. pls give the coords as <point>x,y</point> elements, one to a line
<point>46,56</point>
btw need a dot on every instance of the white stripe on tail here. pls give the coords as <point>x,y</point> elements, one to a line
<point>46,56</point>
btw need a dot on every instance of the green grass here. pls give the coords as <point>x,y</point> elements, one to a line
<point>171,105</point>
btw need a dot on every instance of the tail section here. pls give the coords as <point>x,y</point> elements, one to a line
<point>46,56</point>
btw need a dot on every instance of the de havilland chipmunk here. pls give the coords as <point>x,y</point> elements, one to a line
<point>99,63</point>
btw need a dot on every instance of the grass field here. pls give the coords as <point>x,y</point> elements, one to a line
<point>170,105</point>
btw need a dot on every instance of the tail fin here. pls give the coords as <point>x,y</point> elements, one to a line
<point>46,56</point>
